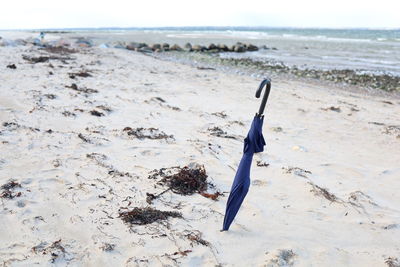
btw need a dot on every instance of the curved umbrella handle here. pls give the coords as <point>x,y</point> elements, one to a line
<point>266,82</point>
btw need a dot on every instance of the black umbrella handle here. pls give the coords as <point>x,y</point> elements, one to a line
<point>267,83</point>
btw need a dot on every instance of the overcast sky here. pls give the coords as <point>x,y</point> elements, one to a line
<point>36,14</point>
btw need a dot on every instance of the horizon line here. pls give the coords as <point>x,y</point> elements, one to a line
<point>198,27</point>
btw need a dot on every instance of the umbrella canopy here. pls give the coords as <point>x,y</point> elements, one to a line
<point>253,143</point>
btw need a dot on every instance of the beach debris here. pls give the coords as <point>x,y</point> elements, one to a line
<point>262,164</point>
<point>63,50</point>
<point>8,190</point>
<point>376,123</point>
<point>392,262</point>
<point>187,181</point>
<point>75,87</point>
<point>277,129</point>
<point>320,191</point>
<point>183,253</point>
<point>216,131</point>
<point>142,216</point>
<point>184,181</point>
<point>299,148</point>
<point>357,198</point>
<point>213,196</point>
<point>41,59</point>
<point>284,258</point>
<point>82,73</point>
<point>297,171</point>
<point>11,66</point>
<point>205,68</point>
<point>221,114</point>
<point>55,250</point>
<point>147,133</point>
<point>101,159</point>
<point>161,102</point>
<point>67,113</point>
<point>96,113</point>
<point>107,247</point>
<point>392,130</point>
<point>332,108</point>
<point>50,96</point>
<point>391,226</point>
<point>84,138</point>
<point>104,108</point>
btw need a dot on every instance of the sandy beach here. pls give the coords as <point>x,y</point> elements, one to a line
<point>85,137</point>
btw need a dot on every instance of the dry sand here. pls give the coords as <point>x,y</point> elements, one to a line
<point>327,195</point>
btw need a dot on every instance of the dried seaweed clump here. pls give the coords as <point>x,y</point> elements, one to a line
<point>285,257</point>
<point>196,237</point>
<point>149,133</point>
<point>216,131</point>
<point>142,216</point>
<point>392,262</point>
<point>297,171</point>
<point>8,190</point>
<point>319,191</point>
<point>56,250</point>
<point>187,181</point>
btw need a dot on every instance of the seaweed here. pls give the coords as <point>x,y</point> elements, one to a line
<point>216,131</point>
<point>285,257</point>
<point>262,164</point>
<point>297,171</point>
<point>196,238</point>
<point>96,113</point>
<point>83,74</point>
<point>392,262</point>
<point>183,181</point>
<point>147,133</point>
<point>332,108</point>
<point>60,50</point>
<point>108,247</point>
<point>8,190</point>
<point>320,191</point>
<point>187,181</point>
<point>84,138</point>
<point>55,249</point>
<point>142,216</point>
<point>73,86</point>
<point>11,66</point>
<point>42,59</point>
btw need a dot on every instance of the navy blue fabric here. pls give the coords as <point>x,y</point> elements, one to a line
<point>253,143</point>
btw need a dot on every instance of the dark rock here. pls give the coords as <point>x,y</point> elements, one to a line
<point>176,47</point>
<point>188,47</point>
<point>239,48</point>
<point>155,47</point>
<point>212,47</point>
<point>198,48</point>
<point>251,47</point>
<point>165,46</point>
<point>145,49</point>
<point>223,47</point>
<point>135,46</point>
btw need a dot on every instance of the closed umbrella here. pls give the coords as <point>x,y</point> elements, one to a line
<point>253,143</point>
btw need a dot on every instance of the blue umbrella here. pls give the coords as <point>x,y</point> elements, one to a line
<point>253,143</point>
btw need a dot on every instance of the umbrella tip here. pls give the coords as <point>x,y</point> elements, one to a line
<point>222,230</point>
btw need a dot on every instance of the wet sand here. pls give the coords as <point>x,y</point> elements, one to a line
<point>77,150</point>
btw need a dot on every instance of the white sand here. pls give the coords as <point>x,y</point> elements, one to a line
<point>68,196</point>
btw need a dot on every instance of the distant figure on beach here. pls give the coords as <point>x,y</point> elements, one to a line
<point>41,35</point>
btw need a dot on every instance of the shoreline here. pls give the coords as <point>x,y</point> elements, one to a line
<point>236,55</point>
